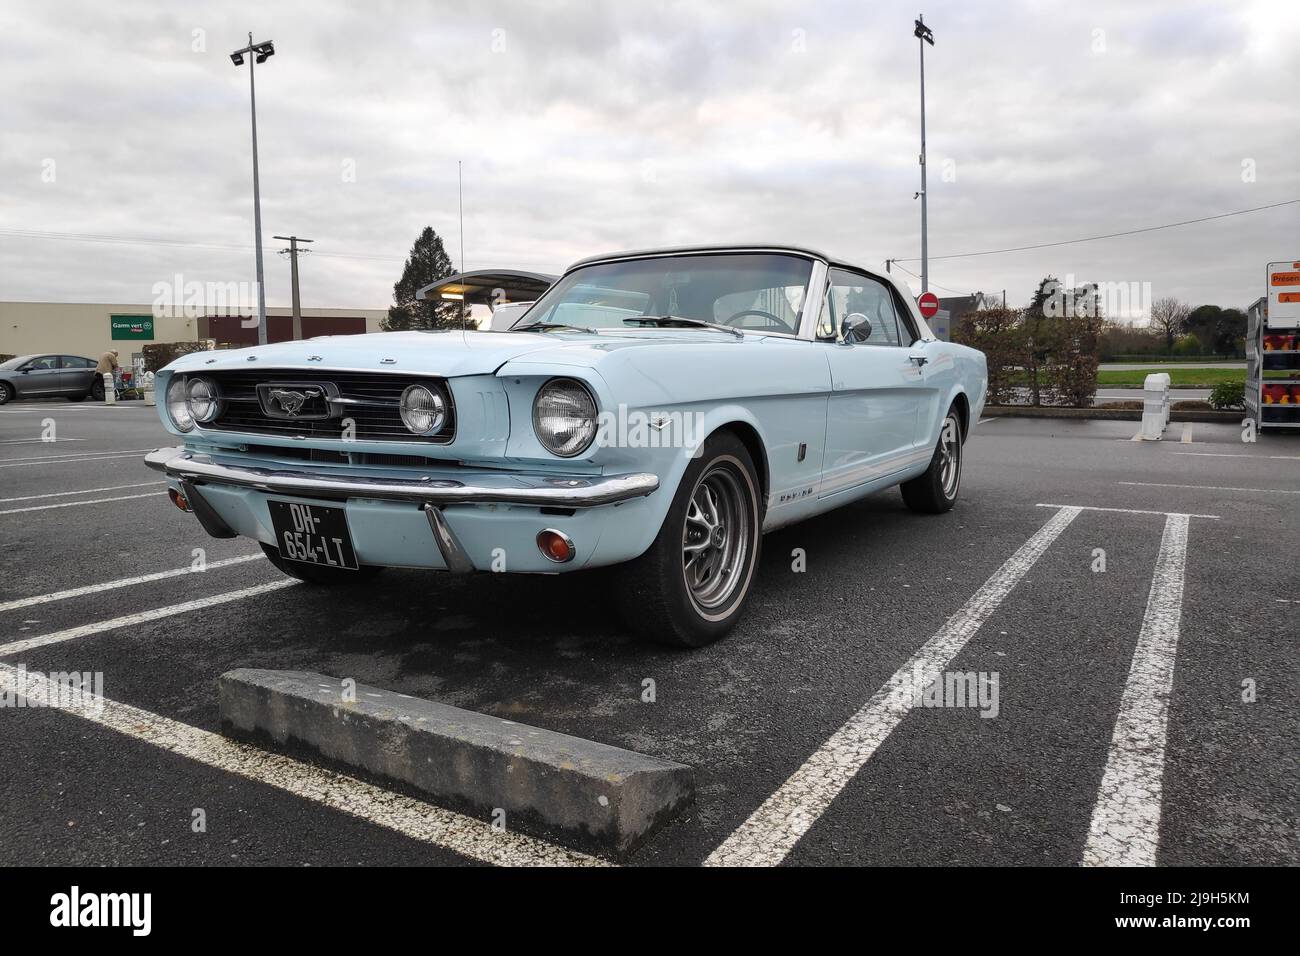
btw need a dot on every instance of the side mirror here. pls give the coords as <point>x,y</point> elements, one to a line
<point>855,328</point>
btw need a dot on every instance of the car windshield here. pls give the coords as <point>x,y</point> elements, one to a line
<point>761,292</point>
<point>14,362</point>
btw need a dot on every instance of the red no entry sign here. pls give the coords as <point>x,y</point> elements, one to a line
<point>929,304</point>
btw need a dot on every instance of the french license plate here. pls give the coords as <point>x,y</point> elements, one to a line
<point>313,534</point>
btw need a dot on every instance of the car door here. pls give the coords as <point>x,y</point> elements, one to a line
<point>78,374</point>
<point>41,376</point>
<point>876,383</point>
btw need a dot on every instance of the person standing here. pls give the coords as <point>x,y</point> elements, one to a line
<point>108,363</point>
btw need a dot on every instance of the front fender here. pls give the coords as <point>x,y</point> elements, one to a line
<point>636,531</point>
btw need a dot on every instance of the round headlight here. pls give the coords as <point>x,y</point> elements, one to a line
<point>204,400</point>
<point>178,406</point>
<point>423,410</point>
<point>564,417</point>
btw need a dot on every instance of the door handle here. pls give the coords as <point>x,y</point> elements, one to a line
<point>918,359</point>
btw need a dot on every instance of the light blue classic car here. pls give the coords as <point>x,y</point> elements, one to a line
<point>655,410</point>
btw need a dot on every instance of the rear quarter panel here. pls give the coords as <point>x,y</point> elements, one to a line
<point>957,371</point>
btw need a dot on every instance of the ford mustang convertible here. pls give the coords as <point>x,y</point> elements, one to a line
<point>657,411</point>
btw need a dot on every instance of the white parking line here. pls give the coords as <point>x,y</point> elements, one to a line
<point>80,454</point>
<point>34,441</point>
<point>45,408</point>
<point>77,504</point>
<point>772,831</point>
<point>1223,454</point>
<point>68,459</point>
<point>1129,511</point>
<point>1187,433</point>
<point>83,491</point>
<point>405,815</point>
<point>123,583</point>
<point>1159,484</point>
<point>59,460</point>
<point>1125,827</point>
<point>141,617</point>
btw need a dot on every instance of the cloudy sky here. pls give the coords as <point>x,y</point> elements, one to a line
<point>590,127</point>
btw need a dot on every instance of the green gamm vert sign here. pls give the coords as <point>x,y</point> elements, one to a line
<point>131,326</point>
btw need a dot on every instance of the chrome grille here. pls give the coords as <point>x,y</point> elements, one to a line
<point>370,399</point>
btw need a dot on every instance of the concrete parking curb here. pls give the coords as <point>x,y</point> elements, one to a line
<point>587,794</point>
<point>1111,414</point>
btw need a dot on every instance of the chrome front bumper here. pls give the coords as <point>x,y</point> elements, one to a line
<point>552,491</point>
<point>431,494</point>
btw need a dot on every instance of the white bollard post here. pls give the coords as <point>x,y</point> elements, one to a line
<point>1155,406</point>
<point>146,381</point>
<point>110,393</point>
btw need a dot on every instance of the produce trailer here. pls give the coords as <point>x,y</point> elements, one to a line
<point>1273,350</point>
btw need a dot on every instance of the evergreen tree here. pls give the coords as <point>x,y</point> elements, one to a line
<point>1038,333</point>
<point>428,262</point>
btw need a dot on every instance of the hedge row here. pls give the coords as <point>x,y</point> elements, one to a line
<point>160,354</point>
<point>1057,356</point>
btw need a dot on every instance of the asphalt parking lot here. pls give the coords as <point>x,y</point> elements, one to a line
<point>798,753</point>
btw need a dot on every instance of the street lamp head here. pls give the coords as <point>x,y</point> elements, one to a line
<point>261,52</point>
<point>922,32</point>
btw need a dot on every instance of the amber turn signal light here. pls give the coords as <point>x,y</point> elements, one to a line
<point>555,545</point>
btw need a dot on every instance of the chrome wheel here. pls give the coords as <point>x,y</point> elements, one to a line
<point>950,457</point>
<point>716,537</point>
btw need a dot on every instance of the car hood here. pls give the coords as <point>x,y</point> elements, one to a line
<point>449,353</point>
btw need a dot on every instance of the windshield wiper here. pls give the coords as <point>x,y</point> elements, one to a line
<point>542,326</point>
<point>679,321</point>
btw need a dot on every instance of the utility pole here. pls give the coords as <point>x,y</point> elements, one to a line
<point>460,200</point>
<point>923,35</point>
<point>293,272</point>
<point>259,52</point>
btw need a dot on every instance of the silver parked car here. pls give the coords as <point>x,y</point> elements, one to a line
<point>50,376</point>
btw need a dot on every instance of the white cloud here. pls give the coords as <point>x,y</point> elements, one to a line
<point>590,127</point>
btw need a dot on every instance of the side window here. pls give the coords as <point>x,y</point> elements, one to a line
<point>850,295</point>
<point>45,362</point>
<point>829,320</point>
<point>76,361</point>
<point>906,326</point>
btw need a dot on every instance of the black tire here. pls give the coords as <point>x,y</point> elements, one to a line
<point>654,594</point>
<point>6,393</point>
<point>97,389</point>
<point>318,574</point>
<point>935,491</point>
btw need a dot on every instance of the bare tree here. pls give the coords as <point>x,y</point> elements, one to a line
<point>1169,319</point>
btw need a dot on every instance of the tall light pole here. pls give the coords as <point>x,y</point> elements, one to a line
<point>259,52</point>
<point>460,199</point>
<point>923,35</point>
